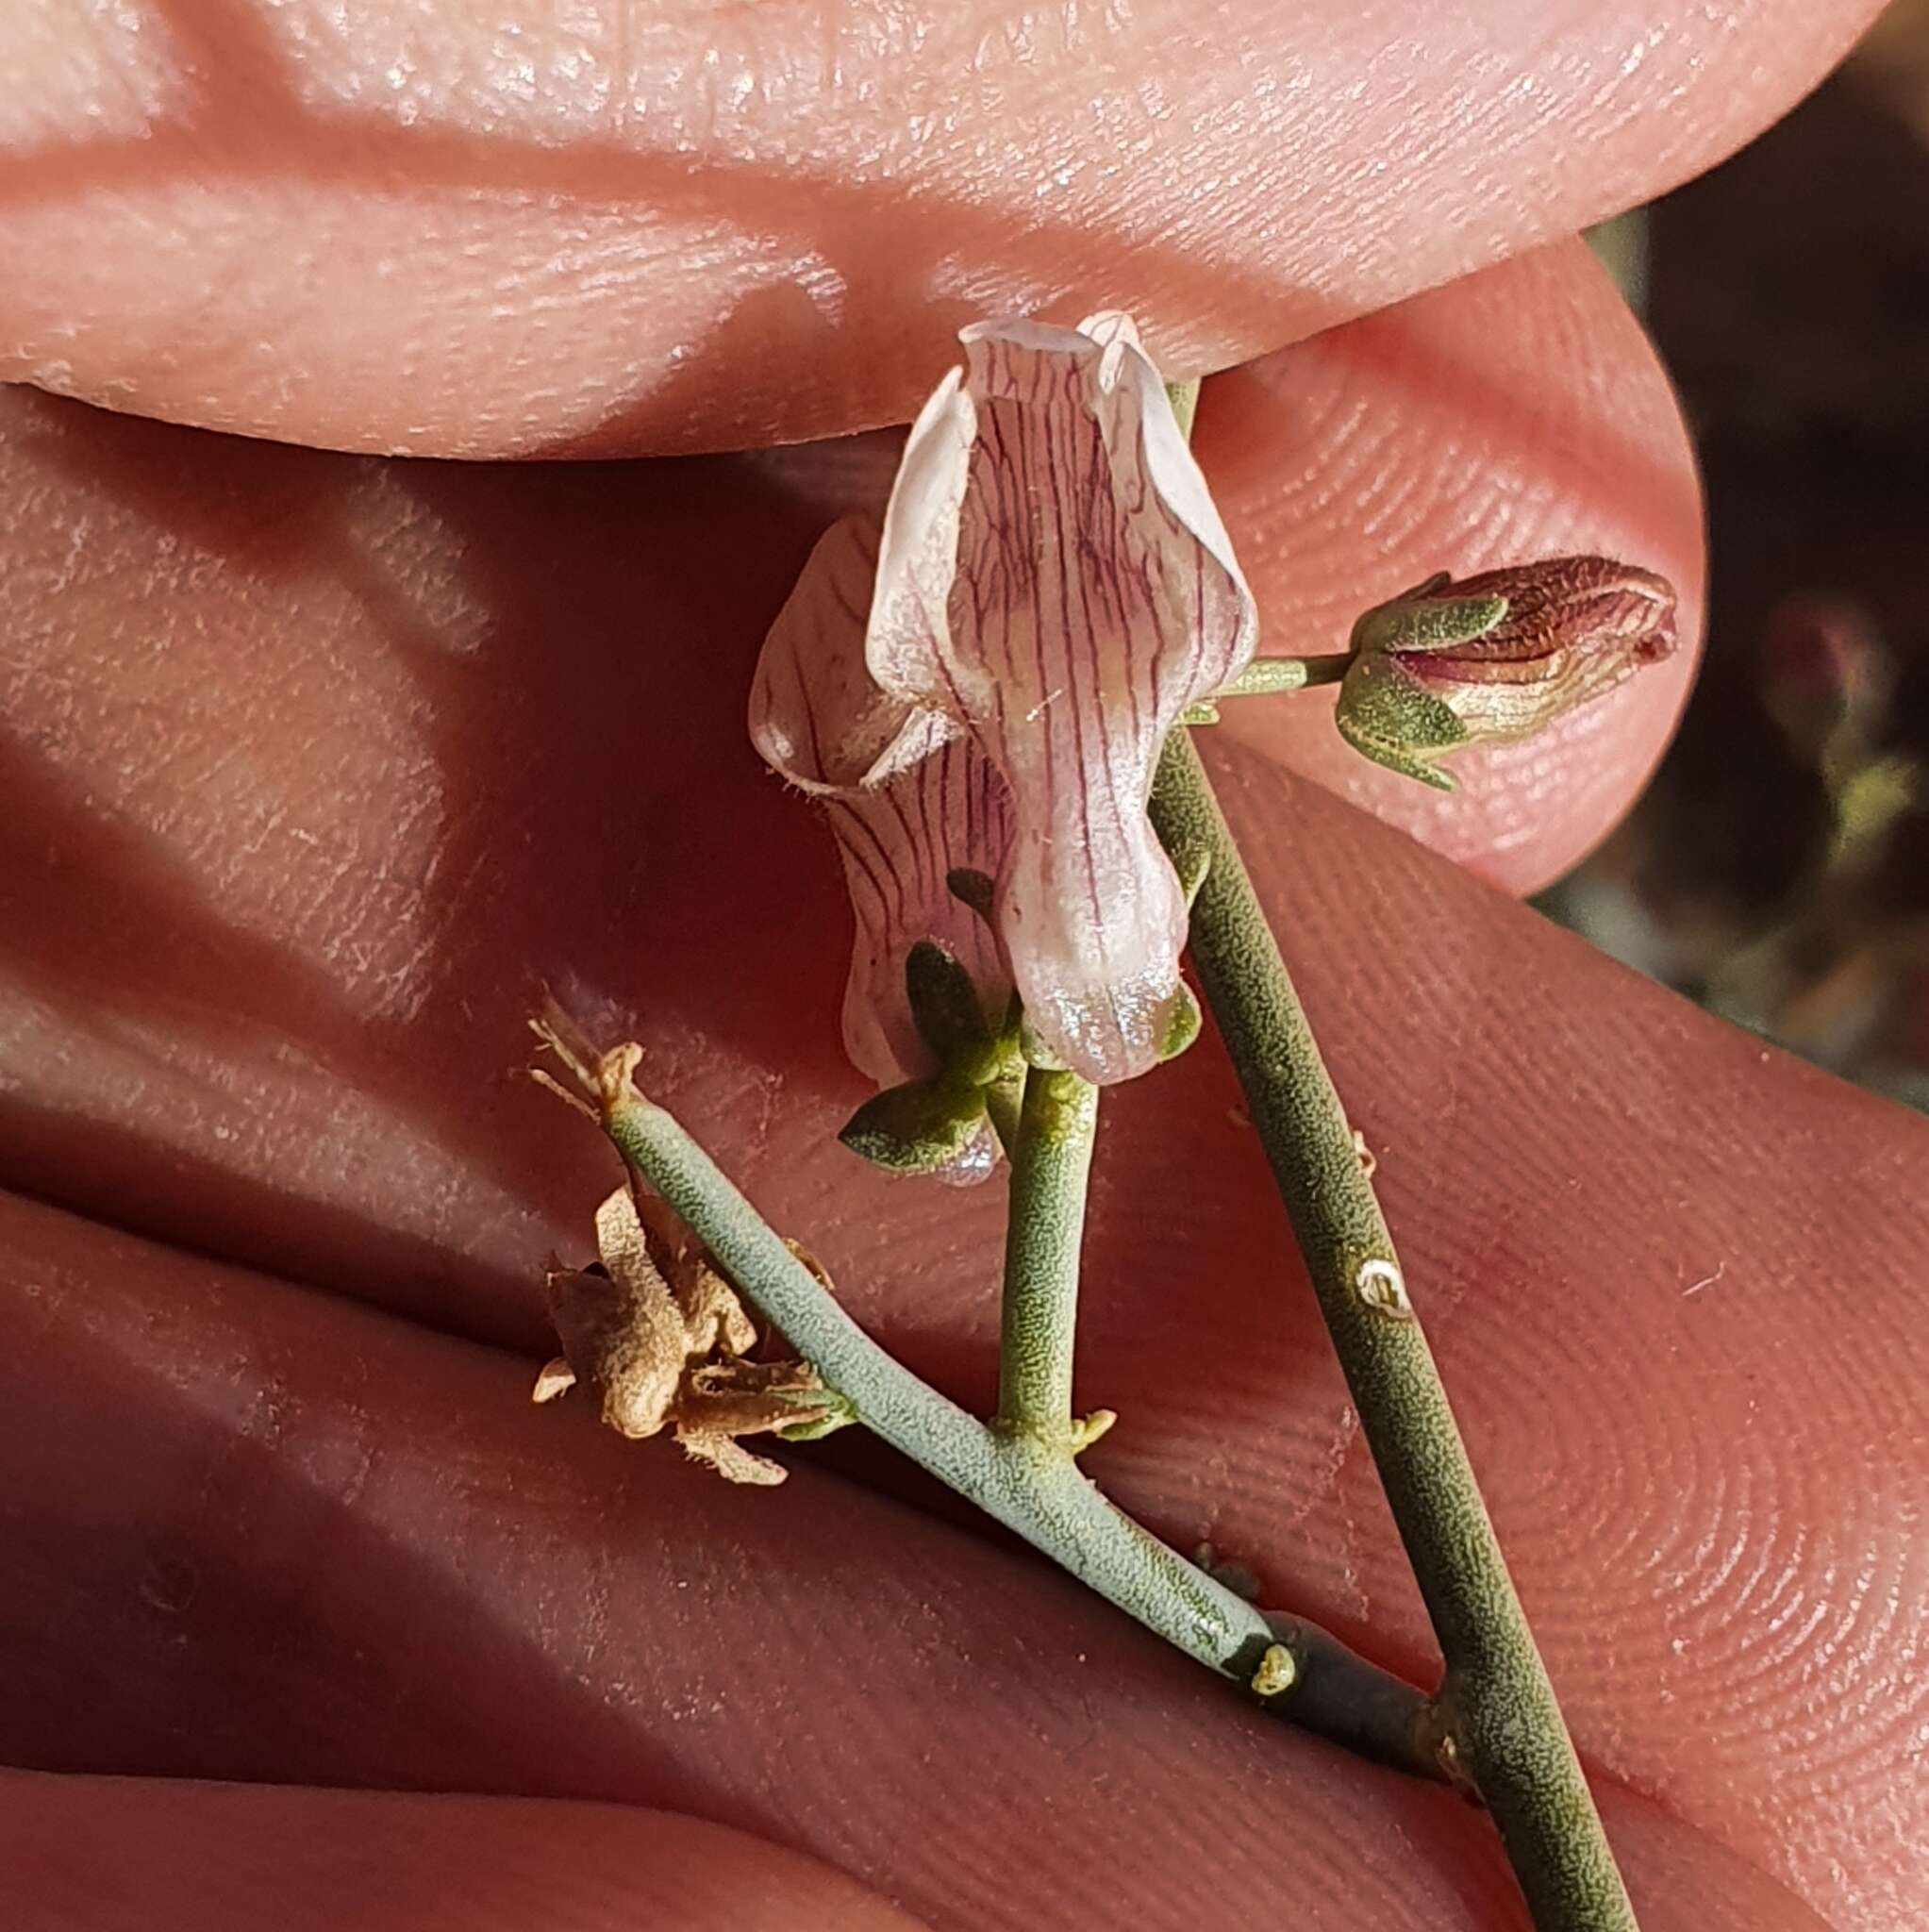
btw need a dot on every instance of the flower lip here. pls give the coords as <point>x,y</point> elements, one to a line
<point>1055,581</point>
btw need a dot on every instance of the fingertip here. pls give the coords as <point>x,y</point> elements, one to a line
<point>395,235</point>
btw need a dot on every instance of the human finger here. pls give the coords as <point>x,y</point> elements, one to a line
<point>691,227</point>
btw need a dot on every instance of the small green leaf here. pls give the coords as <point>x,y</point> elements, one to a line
<point>919,1127</point>
<point>1085,1430</point>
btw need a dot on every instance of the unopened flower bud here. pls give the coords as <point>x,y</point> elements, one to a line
<point>1497,657</point>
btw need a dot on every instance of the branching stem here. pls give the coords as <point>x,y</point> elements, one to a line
<point>1497,1708</point>
<point>1031,1487</point>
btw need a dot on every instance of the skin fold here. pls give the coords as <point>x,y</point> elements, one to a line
<point>121,1854</point>
<point>316,767</point>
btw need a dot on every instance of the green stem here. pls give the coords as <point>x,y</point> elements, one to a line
<point>1263,676</point>
<point>1050,1164</point>
<point>1034,1489</point>
<point>1005,1102</point>
<point>1267,677</point>
<point>1497,1707</point>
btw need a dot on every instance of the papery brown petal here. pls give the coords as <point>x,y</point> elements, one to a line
<point>714,1317</point>
<point>731,1461</point>
<point>622,1332</point>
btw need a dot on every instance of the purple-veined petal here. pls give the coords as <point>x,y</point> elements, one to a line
<point>907,793</point>
<point>1054,579</point>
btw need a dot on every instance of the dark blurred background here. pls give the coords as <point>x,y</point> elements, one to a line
<point>1777,870</point>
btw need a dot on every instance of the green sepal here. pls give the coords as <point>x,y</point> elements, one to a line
<point>1006,1063</point>
<point>1436,625</point>
<point>944,1004</point>
<point>1005,1102</point>
<point>1391,717</point>
<point>1183,1028</point>
<point>919,1127</point>
<point>1184,397</point>
<point>1036,1053</point>
<point>840,1412</point>
<point>812,1432</point>
<point>1191,863</point>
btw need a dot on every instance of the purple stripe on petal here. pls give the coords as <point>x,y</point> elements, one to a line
<point>908,797</point>
<point>1053,588</point>
<point>1091,597</point>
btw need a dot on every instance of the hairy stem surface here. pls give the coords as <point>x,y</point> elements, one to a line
<point>1051,1164</point>
<point>1500,1720</point>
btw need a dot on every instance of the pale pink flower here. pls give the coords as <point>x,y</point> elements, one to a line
<point>1053,589</point>
<point>909,796</point>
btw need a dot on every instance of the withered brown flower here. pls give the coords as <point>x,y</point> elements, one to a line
<point>660,1337</point>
